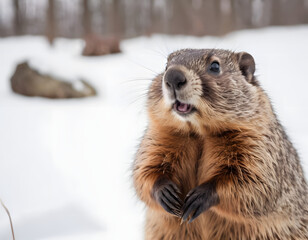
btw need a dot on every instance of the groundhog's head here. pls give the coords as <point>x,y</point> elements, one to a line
<point>205,88</point>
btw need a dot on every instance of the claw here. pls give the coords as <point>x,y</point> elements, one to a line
<point>199,200</point>
<point>189,206</point>
<point>173,196</point>
<point>196,214</point>
<point>165,193</point>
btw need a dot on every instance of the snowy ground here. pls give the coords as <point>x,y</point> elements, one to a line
<point>66,164</point>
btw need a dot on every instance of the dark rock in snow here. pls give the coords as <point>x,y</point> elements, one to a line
<point>97,45</point>
<point>29,82</point>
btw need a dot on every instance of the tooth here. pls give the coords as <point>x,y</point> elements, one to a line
<point>185,107</point>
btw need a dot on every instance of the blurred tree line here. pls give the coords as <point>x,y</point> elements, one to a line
<point>129,18</point>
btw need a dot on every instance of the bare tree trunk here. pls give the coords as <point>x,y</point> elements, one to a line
<point>276,12</point>
<point>180,18</point>
<point>87,29</point>
<point>151,16</point>
<point>51,28</point>
<point>17,18</point>
<point>117,17</point>
<point>227,21</point>
<point>104,26</point>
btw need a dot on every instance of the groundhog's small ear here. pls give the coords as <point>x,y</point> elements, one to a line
<point>247,65</point>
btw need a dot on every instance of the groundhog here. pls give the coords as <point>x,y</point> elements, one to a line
<point>214,162</point>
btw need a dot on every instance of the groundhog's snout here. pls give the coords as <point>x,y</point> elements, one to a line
<point>175,79</point>
<point>177,92</point>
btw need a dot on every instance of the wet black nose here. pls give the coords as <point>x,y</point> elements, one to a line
<point>175,79</point>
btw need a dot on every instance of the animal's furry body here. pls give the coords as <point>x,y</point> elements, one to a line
<point>229,161</point>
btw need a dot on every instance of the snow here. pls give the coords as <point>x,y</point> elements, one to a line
<point>66,164</point>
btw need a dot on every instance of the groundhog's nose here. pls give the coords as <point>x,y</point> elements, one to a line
<point>175,79</point>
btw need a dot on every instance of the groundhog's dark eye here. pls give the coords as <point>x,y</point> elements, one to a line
<point>215,67</point>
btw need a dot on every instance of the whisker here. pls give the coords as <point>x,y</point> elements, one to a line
<point>138,79</point>
<point>137,83</point>
<point>138,90</point>
<point>141,65</point>
<point>159,53</point>
<point>139,98</point>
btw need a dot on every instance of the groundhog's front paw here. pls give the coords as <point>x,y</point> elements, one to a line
<point>199,200</point>
<point>166,193</point>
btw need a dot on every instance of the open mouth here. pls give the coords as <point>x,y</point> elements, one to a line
<point>182,108</point>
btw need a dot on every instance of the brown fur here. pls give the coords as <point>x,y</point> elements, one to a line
<point>233,139</point>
